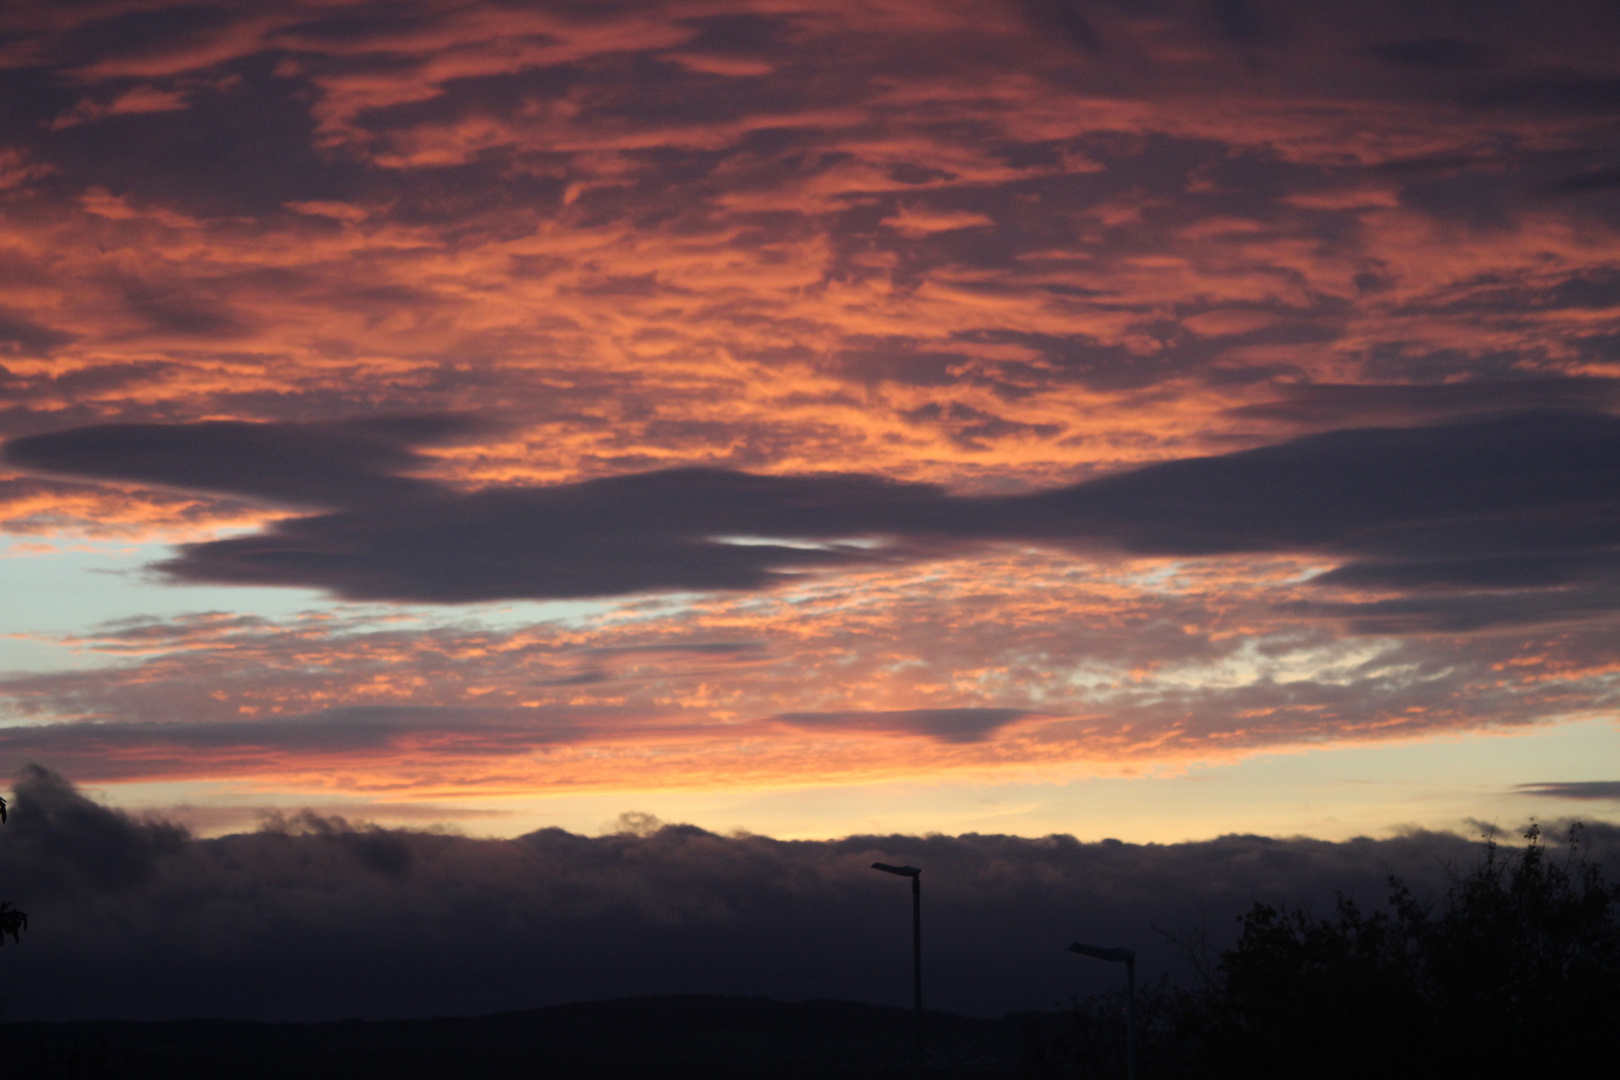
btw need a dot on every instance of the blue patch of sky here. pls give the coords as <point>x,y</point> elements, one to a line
<point>74,587</point>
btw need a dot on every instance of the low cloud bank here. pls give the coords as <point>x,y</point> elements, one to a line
<point>313,918</point>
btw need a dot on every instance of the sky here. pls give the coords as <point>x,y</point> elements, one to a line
<point>1135,419</point>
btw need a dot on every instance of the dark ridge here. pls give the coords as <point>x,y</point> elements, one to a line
<point>716,1038</point>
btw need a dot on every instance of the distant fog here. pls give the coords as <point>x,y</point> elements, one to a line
<point>314,918</point>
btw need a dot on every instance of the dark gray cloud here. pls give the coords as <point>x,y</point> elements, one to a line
<point>946,725</point>
<point>1606,790</point>
<point>1244,22</point>
<point>970,427</point>
<point>94,379</point>
<point>314,918</point>
<point>66,843</point>
<point>1462,611</point>
<point>314,464</point>
<point>123,750</point>
<point>1338,404</point>
<point>1591,180</point>
<point>1510,518</point>
<point>1559,91</point>
<point>1066,18</point>
<point>174,313</point>
<point>638,533</point>
<point>244,144</point>
<point>1441,53</point>
<point>22,336</point>
<point>141,33</point>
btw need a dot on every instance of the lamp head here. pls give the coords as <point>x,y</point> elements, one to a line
<point>903,871</point>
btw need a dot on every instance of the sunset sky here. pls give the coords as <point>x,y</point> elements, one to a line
<point>1149,419</point>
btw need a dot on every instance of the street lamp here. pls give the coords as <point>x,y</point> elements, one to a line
<point>915,875</point>
<point>1128,957</point>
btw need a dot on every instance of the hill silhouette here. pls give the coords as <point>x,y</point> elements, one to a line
<point>721,1038</point>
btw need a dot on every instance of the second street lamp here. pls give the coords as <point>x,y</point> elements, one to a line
<point>1128,958</point>
<point>915,875</point>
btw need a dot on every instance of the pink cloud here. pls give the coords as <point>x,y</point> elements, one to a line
<point>139,99</point>
<point>995,248</point>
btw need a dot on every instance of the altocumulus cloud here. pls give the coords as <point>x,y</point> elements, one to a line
<point>1506,519</point>
<point>1125,203</point>
<point>312,917</point>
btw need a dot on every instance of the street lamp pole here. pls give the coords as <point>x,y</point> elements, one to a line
<point>1128,958</point>
<point>915,875</point>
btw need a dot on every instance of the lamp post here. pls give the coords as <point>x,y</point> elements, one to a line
<point>1128,957</point>
<point>915,875</point>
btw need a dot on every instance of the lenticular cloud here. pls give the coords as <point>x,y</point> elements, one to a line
<point>1470,523</point>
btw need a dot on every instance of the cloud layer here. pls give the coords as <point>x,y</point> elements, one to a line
<point>1512,519</point>
<point>946,243</point>
<point>315,918</point>
<point>962,385</point>
<point>1363,584</point>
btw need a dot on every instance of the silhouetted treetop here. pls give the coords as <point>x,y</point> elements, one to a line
<point>1515,972</point>
<point>12,921</point>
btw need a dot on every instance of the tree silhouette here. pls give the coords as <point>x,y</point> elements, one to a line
<point>1514,973</point>
<point>1090,1043</point>
<point>12,921</point>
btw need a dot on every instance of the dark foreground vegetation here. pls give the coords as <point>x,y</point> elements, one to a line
<point>1513,972</point>
<point>676,1037</point>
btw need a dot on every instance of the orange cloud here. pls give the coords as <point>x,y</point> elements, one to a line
<point>999,248</point>
<point>140,99</point>
<point>1022,667</point>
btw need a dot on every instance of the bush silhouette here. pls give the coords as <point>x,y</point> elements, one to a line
<point>1091,1045</point>
<point>12,921</point>
<point>1514,972</point>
